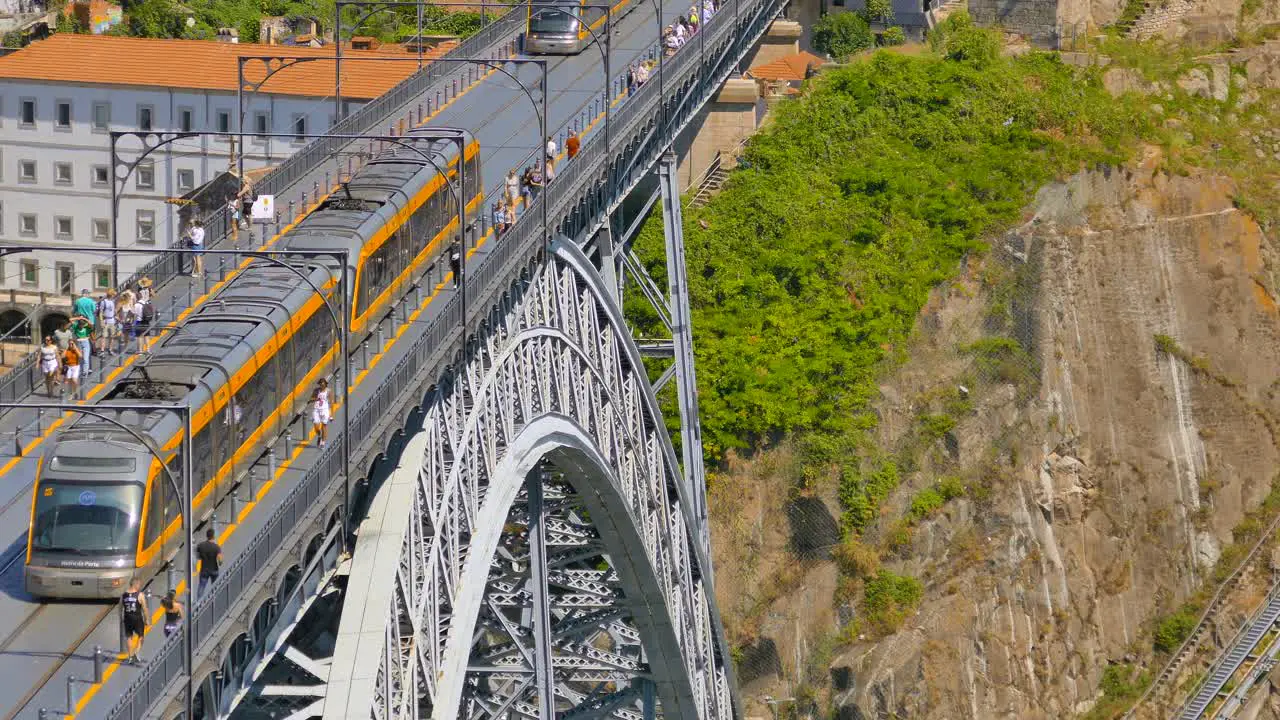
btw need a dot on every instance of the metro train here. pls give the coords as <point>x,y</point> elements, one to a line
<point>246,360</point>
<point>561,27</point>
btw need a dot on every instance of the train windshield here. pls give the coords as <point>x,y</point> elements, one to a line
<point>86,518</point>
<point>554,22</point>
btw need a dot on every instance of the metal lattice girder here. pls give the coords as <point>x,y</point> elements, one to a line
<point>554,391</point>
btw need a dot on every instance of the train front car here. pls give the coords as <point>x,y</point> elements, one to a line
<point>555,28</point>
<point>86,513</point>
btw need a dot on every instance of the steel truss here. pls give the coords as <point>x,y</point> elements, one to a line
<point>548,559</point>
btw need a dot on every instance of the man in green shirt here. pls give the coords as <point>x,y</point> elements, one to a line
<point>86,308</point>
<point>82,329</point>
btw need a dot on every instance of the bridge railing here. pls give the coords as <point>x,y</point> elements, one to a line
<point>25,378</point>
<point>519,247</point>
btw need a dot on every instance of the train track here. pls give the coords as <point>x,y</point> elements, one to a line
<point>19,632</point>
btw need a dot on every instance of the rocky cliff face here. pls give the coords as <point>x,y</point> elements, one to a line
<point>1120,482</point>
<point>1104,475</point>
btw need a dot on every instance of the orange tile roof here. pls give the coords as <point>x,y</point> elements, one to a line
<point>198,65</point>
<point>791,67</point>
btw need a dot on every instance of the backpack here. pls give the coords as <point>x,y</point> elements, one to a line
<point>148,314</point>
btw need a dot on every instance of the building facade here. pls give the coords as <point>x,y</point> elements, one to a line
<point>55,174</point>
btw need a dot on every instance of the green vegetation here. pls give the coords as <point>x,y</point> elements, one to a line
<point>801,300</point>
<point>888,599</point>
<point>1122,684</point>
<point>879,10</point>
<point>894,36</point>
<point>171,19</point>
<point>842,34</point>
<point>1171,631</point>
<point>929,501</point>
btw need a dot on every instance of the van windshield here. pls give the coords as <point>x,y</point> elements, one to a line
<point>86,518</point>
<point>553,22</point>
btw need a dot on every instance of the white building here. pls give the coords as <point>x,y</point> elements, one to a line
<point>60,96</point>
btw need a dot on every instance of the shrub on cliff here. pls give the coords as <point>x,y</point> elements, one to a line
<point>842,34</point>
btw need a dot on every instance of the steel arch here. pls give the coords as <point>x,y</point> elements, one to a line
<point>553,375</point>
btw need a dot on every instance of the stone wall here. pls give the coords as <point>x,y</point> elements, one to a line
<point>1035,19</point>
<point>1159,18</point>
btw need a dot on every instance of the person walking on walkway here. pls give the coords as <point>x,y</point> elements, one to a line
<point>49,364</point>
<point>209,553</point>
<point>82,329</point>
<point>321,410</point>
<point>133,607</point>
<point>572,145</point>
<point>85,306</point>
<point>63,336</point>
<point>71,369</point>
<point>144,291</point>
<point>513,186</point>
<point>173,613</point>
<point>108,325</point>
<point>197,249</point>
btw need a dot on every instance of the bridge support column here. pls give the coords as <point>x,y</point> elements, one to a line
<point>608,262</point>
<point>682,338</point>
<point>543,676</point>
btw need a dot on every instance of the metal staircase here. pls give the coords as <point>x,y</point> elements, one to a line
<point>1240,649</point>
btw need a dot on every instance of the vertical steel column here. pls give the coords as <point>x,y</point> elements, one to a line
<point>607,254</point>
<point>682,337</point>
<point>188,522</point>
<point>541,599</point>
<point>345,330</point>
<point>115,216</point>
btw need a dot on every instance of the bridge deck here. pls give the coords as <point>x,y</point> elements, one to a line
<point>58,642</point>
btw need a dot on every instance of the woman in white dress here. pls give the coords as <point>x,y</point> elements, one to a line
<point>321,409</point>
<point>49,364</point>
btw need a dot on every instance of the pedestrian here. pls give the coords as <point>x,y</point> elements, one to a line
<point>510,212</point>
<point>513,186</point>
<point>499,219</point>
<point>126,315</point>
<point>455,262</point>
<point>631,80</point>
<point>82,329</point>
<point>144,290</point>
<point>210,555</point>
<point>133,606</point>
<point>321,410</point>
<point>145,314</point>
<point>173,612</point>
<point>197,249</point>
<point>535,180</point>
<point>551,172</point>
<point>233,212</point>
<point>71,369</point>
<point>551,150</point>
<point>85,306</point>
<point>572,145</point>
<point>49,364</point>
<point>63,336</point>
<point>526,186</point>
<point>108,324</point>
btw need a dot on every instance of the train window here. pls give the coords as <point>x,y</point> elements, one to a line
<point>202,455</point>
<point>155,511</point>
<point>86,518</point>
<point>93,464</point>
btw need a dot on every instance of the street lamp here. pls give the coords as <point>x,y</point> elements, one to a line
<point>184,492</point>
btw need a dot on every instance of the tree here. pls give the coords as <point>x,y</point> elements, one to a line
<point>957,38</point>
<point>842,34</point>
<point>879,10</point>
<point>894,36</point>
